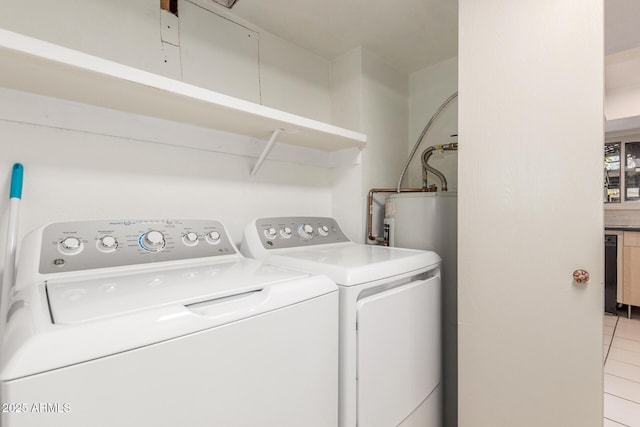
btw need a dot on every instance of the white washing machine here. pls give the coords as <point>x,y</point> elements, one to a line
<point>164,323</point>
<point>390,317</point>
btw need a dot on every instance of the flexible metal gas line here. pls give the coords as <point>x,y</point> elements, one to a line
<point>426,154</point>
<point>424,132</point>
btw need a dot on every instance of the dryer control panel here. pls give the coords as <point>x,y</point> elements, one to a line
<point>84,245</point>
<point>291,232</point>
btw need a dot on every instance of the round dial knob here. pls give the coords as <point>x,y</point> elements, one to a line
<point>213,237</point>
<point>107,243</point>
<point>270,233</point>
<point>153,241</point>
<point>305,231</point>
<point>71,245</point>
<point>286,232</point>
<point>323,230</point>
<point>190,238</point>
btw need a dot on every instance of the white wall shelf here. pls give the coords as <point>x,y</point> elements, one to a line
<point>42,68</point>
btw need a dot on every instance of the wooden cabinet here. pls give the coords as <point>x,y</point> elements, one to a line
<point>631,268</point>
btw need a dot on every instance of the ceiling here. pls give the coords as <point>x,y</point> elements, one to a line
<point>410,35</point>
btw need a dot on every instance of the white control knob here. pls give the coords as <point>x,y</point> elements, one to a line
<point>190,239</point>
<point>153,241</point>
<point>71,245</point>
<point>305,231</point>
<point>107,243</point>
<point>323,230</point>
<point>286,232</point>
<point>213,237</point>
<point>270,233</point>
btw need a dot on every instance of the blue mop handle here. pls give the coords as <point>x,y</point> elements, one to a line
<point>15,197</point>
<point>16,181</point>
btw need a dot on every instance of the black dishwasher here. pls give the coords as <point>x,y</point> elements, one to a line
<point>610,272</point>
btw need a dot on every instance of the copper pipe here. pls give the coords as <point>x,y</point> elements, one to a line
<point>373,191</point>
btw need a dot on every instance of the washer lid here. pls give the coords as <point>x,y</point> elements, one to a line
<point>88,299</point>
<point>350,263</point>
<point>103,315</point>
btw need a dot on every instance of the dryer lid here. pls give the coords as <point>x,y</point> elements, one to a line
<point>350,264</point>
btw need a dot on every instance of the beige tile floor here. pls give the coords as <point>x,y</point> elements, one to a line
<point>621,371</point>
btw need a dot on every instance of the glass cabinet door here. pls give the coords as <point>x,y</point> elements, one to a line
<point>612,172</point>
<point>632,171</point>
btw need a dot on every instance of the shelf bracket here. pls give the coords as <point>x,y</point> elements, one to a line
<point>266,151</point>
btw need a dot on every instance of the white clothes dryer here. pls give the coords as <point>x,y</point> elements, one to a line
<point>390,317</point>
<point>164,323</point>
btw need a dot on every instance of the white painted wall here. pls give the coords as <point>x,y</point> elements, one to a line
<point>218,54</point>
<point>293,79</point>
<point>346,90</point>
<point>622,95</point>
<point>121,30</point>
<point>622,69</point>
<point>385,121</point>
<point>280,75</point>
<point>346,111</point>
<point>370,96</point>
<point>428,89</point>
<point>531,98</point>
<point>623,85</point>
<point>72,175</point>
<point>290,78</point>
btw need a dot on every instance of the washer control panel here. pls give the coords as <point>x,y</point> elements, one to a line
<point>84,245</point>
<point>291,232</point>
